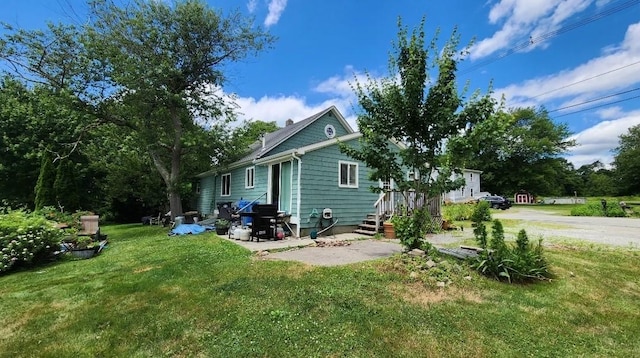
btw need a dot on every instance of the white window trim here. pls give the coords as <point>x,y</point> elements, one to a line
<point>413,175</point>
<point>228,175</point>
<point>349,164</point>
<point>251,185</point>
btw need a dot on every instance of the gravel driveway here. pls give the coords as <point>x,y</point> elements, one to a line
<point>623,232</point>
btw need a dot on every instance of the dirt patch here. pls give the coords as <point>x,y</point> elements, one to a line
<point>145,269</point>
<point>420,294</point>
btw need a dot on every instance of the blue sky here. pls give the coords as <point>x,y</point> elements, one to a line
<point>567,55</point>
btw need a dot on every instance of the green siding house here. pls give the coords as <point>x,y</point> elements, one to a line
<point>301,169</point>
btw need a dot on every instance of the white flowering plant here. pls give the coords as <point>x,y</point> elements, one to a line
<point>26,239</point>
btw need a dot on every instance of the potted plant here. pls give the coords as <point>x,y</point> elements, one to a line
<point>389,230</point>
<point>222,226</point>
<point>84,247</point>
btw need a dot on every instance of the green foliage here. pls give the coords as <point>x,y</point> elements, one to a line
<point>67,185</point>
<point>151,68</point>
<point>222,224</point>
<point>19,140</point>
<point>45,192</point>
<point>481,212</point>
<point>458,212</point>
<point>596,180</point>
<point>480,233</point>
<point>287,309</point>
<point>627,161</point>
<point>497,243</point>
<point>52,213</point>
<point>519,149</point>
<point>407,232</point>
<point>72,219</point>
<point>26,239</point>
<point>596,209</point>
<point>523,262</point>
<point>402,108</point>
<point>247,134</point>
<point>411,230</point>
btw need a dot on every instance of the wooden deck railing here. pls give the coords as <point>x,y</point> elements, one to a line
<point>390,203</point>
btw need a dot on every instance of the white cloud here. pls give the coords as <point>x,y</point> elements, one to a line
<point>577,83</point>
<point>599,141</point>
<point>523,20</point>
<point>342,85</point>
<point>276,8</point>
<point>252,5</point>
<point>280,108</point>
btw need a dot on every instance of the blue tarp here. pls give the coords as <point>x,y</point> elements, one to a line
<point>194,229</point>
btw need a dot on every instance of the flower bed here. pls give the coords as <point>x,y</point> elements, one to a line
<point>26,239</point>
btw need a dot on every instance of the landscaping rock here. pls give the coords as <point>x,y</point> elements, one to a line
<point>414,275</point>
<point>331,243</point>
<point>431,264</point>
<point>468,278</point>
<point>417,252</point>
<point>441,284</point>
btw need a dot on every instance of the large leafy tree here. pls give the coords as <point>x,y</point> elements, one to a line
<point>418,111</point>
<point>627,162</point>
<point>422,114</point>
<point>596,180</point>
<point>33,124</point>
<point>149,67</point>
<point>520,149</point>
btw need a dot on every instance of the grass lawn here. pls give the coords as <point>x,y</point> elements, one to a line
<point>150,295</point>
<point>565,209</point>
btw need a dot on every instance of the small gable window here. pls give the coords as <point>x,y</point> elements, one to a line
<point>249,177</point>
<point>329,131</point>
<point>226,185</point>
<point>348,177</point>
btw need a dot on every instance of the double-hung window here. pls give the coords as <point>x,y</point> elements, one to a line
<point>226,185</point>
<point>348,175</point>
<point>249,177</point>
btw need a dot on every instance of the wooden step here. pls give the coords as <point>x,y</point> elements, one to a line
<point>365,232</point>
<point>371,227</point>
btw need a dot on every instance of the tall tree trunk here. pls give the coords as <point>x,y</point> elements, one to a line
<point>172,177</point>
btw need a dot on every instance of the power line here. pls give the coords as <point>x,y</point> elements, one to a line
<point>586,79</point>
<point>532,40</point>
<point>594,100</point>
<point>598,106</point>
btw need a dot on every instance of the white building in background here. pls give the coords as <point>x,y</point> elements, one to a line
<point>470,190</point>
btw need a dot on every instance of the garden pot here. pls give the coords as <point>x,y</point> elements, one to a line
<point>83,253</point>
<point>222,230</point>
<point>389,230</point>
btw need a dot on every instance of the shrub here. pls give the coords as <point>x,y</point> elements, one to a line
<point>412,229</point>
<point>458,212</point>
<point>53,214</point>
<point>481,212</point>
<point>520,263</point>
<point>26,239</point>
<point>596,209</point>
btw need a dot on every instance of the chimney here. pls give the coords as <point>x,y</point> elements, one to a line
<point>264,140</point>
<point>288,122</point>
